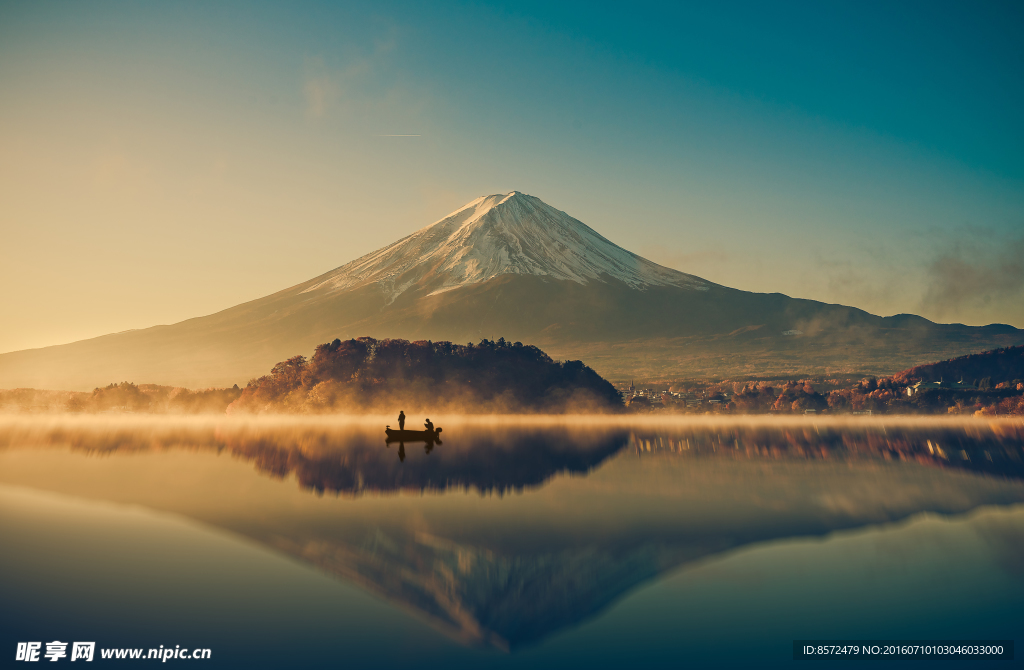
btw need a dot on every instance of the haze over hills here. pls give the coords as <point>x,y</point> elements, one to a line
<point>511,266</point>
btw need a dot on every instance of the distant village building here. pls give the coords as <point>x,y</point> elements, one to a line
<point>946,386</point>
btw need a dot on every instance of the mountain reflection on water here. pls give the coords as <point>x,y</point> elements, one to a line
<point>510,571</point>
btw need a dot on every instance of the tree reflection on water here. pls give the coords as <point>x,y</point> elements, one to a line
<point>996,448</point>
<point>494,460</point>
<point>349,458</point>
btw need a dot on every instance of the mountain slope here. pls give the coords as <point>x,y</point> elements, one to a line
<point>511,266</point>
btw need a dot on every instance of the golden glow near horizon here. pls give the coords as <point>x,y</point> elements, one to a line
<point>161,163</point>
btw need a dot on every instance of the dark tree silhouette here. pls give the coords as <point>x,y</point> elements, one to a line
<point>365,373</point>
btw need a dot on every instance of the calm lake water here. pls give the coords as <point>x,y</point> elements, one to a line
<point>513,543</point>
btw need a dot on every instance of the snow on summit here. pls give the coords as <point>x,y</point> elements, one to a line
<point>494,235</point>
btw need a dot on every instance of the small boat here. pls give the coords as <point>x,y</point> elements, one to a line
<point>413,435</point>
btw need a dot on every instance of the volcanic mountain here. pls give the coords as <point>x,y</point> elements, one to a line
<point>511,266</point>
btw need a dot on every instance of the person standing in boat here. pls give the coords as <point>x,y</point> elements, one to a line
<point>401,419</point>
<point>429,426</point>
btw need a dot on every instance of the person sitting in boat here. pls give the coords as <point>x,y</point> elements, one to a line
<point>401,419</point>
<point>429,426</point>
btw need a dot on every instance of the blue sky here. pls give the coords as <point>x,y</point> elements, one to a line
<point>166,160</point>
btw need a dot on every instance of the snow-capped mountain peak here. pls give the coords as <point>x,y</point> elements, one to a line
<point>511,233</point>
